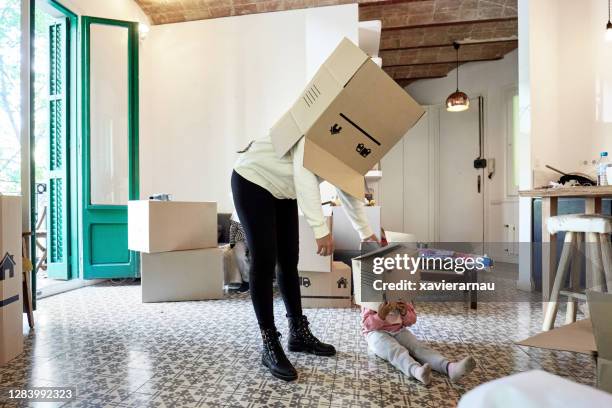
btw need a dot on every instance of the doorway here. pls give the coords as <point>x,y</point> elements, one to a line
<point>53,135</point>
<point>109,145</point>
<point>81,180</point>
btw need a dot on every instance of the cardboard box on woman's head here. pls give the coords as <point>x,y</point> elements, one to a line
<point>351,113</point>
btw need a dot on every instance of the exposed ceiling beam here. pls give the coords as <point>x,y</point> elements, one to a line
<point>444,62</point>
<point>378,3</point>
<point>466,42</point>
<point>421,77</point>
<point>449,23</point>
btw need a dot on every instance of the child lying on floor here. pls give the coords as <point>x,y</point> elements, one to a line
<point>388,336</point>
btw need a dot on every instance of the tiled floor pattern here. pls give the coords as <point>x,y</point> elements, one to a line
<point>119,352</point>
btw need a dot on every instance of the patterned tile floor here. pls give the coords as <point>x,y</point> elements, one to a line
<point>119,352</point>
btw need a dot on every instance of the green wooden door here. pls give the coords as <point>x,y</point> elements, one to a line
<point>58,263</point>
<point>109,145</point>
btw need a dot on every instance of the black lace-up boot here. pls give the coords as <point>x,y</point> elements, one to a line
<point>273,356</point>
<point>302,339</point>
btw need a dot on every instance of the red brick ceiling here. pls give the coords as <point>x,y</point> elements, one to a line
<point>417,35</point>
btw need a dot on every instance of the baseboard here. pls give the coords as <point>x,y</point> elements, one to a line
<point>65,286</point>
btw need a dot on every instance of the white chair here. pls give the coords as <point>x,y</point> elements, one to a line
<point>595,229</point>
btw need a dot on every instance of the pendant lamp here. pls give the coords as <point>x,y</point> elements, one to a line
<point>457,101</point>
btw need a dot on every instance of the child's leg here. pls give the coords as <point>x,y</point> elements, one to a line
<point>387,347</point>
<point>422,353</point>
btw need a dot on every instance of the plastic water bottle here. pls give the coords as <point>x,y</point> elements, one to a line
<point>602,166</point>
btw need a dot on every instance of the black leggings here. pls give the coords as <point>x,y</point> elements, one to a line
<point>272,234</point>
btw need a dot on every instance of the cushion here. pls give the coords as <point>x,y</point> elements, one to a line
<point>601,224</point>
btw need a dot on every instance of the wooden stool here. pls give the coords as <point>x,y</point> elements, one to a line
<point>595,229</point>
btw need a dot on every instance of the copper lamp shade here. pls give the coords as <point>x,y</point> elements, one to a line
<point>457,102</point>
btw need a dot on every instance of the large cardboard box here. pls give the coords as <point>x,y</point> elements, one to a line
<point>327,290</point>
<point>11,302</point>
<point>309,259</point>
<point>345,236</point>
<point>182,275</point>
<point>351,114</point>
<point>161,226</point>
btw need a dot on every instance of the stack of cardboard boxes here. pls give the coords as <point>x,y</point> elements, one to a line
<point>11,278</point>
<point>180,259</point>
<point>323,283</point>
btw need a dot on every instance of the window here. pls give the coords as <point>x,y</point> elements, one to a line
<point>10,96</point>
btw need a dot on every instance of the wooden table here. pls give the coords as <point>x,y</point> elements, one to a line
<point>592,196</point>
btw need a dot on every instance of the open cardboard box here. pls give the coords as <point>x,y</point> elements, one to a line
<point>364,277</point>
<point>351,114</point>
<point>588,336</point>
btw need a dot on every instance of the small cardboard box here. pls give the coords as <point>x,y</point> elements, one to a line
<point>351,114</point>
<point>11,303</point>
<point>309,260</point>
<point>364,277</point>
<point>327,290</point>
<point>182,275</point>
<point>161,226</point>
<point>345,236</point>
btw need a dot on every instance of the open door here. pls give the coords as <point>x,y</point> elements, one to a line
<point>109,145</point>
<point>58,262</point>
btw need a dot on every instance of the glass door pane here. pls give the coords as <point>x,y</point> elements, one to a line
<point>10,103</point>
<point>109,110</point>
<point>109,140</point>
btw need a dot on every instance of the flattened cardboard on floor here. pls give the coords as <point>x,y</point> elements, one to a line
<point>577,337</point>
<point>351,114</point>
<point>11,302</point>
<point>161,226</point>
<point>309,260</point>
<point>182,275</point>
<point>327,290</point>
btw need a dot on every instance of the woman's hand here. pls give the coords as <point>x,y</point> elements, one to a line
<point>325,245</point>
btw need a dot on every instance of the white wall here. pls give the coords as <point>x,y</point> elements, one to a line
<point>571,83</point>
<point>565,94</point>
<point>209,87</point>
<point>494,80</point>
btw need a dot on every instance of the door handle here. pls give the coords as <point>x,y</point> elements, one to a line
<point>478,184</point>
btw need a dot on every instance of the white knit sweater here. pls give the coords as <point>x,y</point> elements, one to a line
<point>288,178</point>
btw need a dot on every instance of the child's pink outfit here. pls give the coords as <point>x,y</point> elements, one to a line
<point>396,344</point>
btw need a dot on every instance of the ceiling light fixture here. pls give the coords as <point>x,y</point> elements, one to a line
<point>609,25</point>
<point>143,30</point>
<point>457,101</point>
